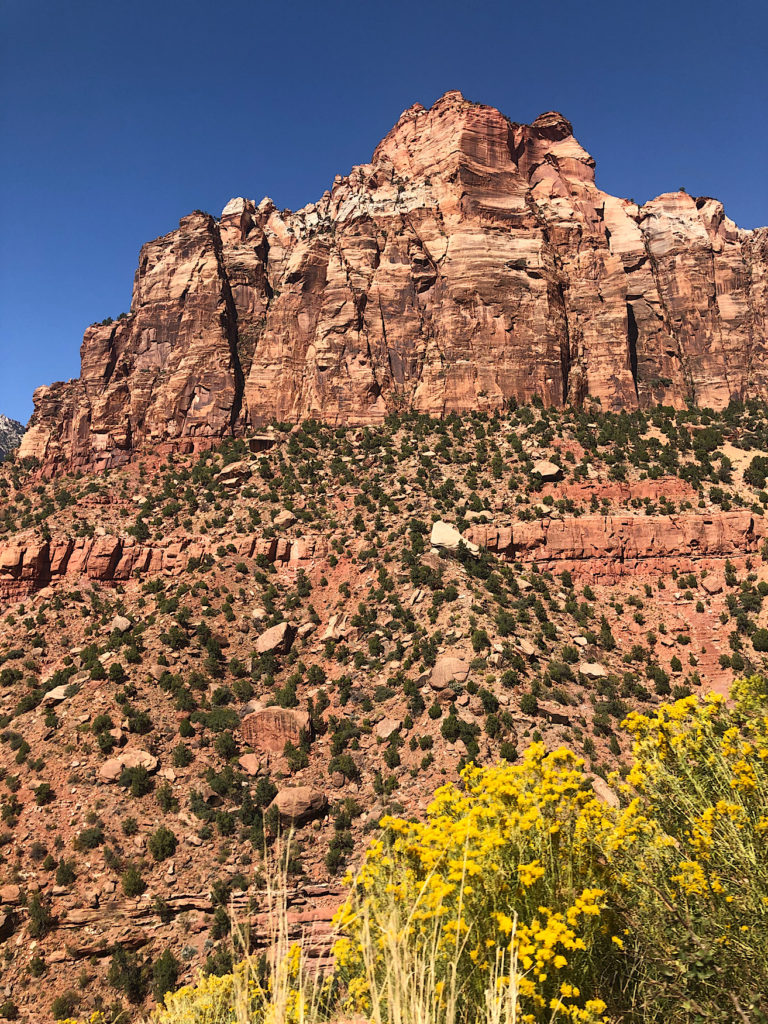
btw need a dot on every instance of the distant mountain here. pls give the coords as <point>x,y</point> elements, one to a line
<point>11,433</point>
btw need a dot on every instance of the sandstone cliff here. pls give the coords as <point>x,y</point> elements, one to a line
<point>472,261</point>
<point>11,433</point>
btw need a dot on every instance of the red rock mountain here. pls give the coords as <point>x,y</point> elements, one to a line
<point>473,260</point>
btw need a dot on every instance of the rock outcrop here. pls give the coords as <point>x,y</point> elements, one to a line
<point>28,562</point>
<point>298,804</point>
<point>269,729</point>
<point>472,261</point>
<point>11,433</point>
<point>607,547</point>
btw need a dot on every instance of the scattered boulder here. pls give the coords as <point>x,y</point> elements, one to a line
<point>10,894</point>
<point>269,729</point>
<point>711,585</point>
<point>284,519</point>
<point>446,670</point>
<point>112,769</point>
<point>548,471</point>
<point>554,713</point>
<point>233,474</point>
<point>250,763</point>
<point>604,792</point>
<point>299,804</point>
<point>592,670</point>
<point>121,624</point>
<point>448,538</point>
<point>385,728</point>
<point>277,639</point>
<point>336,628</point>
<point>56,695</point>
<point>526,648</point>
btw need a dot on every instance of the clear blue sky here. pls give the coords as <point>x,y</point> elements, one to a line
<point>120,116</point>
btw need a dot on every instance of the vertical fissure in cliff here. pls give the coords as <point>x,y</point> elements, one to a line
<point>233,335</point>
<point>632,333</point>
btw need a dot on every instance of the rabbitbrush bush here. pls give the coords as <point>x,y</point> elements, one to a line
<point>522,899</point>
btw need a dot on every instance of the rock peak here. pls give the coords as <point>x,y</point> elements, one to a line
<point>473,261</point>
<point>553,125</point>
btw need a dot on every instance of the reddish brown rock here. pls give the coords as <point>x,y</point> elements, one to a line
<point>447,670</point>
<point>277,639</point>
<point>299,804</point>
<point>28,563</point>
<point>615,544</point>
<point>111,769</point>
<point>473,260</point>
<point>271,728</point>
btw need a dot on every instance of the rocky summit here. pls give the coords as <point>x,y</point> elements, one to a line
<point>472,261</point>
<point>11,433</point>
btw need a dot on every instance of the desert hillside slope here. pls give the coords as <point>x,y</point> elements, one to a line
<point>314,626</point>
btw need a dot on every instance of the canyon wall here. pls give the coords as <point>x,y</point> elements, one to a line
<point>472,261</point>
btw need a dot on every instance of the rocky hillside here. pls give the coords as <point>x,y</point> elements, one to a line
<point>472,261</point>
<point>11,433</point>
<point>312,626</point>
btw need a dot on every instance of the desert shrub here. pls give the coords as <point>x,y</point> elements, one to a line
<point>40,918</point>
<point>131,881</point>
<point>653,911</point>
<point>520,896</point>
<point>162,844</point>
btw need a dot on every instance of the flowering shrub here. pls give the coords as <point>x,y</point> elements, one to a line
<point>656,911</point>
<point>694,891</point>
<point>506,868</point>
<point>521,898</point>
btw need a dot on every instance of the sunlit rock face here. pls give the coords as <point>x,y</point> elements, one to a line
<point>472,261</point>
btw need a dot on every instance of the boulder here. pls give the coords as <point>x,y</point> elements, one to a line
<point>121,624</point>
<point>592,670</point>
<point>448,538</point>
<point>548,471</point>
<point>10,894</point>
<point>112,769</point>
<point>526,648</point>
<point>250,763</point>
<point>604,792</point>
<point>56,695</point>
<point>446,670</point>
<point>269,729</point>
<point>277,639</point>
<point>284,519</point>
<point>233,474</point>
<point>299,804</point>
<point>336,628</point>
<point>385,728</point>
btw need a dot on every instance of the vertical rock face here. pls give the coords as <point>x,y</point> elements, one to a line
<point>472,261</point>
<point>167,373</point>
<point>11,433</point>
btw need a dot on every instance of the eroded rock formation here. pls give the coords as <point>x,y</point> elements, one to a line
<point>606,547</point>
<point>473,260</point>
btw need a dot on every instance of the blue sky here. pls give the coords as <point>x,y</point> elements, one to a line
<point>117,118</point>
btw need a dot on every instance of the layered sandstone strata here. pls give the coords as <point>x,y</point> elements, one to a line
<point>472,261</point>
<point>605,547</point>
